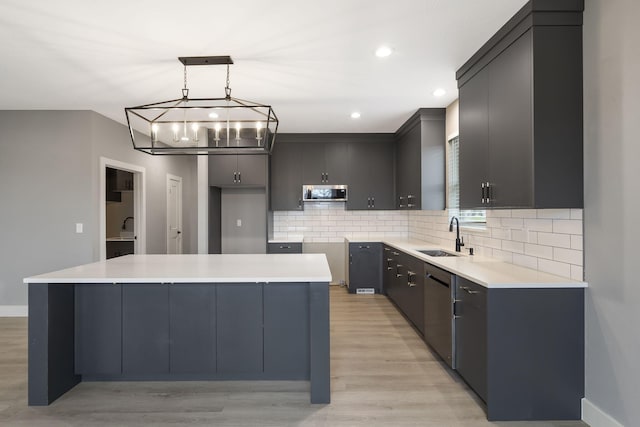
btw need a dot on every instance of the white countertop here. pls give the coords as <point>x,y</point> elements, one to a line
<point>292,239</point>
<point>120,239</point>
<point>196,269</point>
<point>488,272</point>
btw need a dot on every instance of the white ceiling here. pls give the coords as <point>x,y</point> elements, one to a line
<point>313,61</point>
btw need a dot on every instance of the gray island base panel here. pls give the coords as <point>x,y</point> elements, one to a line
<point>179,331</point>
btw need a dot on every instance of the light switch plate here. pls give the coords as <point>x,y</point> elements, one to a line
<point>79,227</point>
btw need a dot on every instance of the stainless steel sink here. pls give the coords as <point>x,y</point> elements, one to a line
<point>436,252</point>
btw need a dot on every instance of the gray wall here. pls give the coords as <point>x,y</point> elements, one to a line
<point>612,206</point>
<point>49,167</point>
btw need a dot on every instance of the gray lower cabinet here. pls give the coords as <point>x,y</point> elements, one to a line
<point>371,174</point>
<point>284,248</point>
<point>192,328</point>
<point>239,324</point>
<point>522,350</point>
<point>406,289</point>
<point>471,335</point>
<point>145,328</point>
<point>98,329</point>
<point>286,332</point>
<point>438,311</point>
<point>365,262</point>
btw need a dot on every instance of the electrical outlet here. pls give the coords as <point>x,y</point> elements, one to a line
<point>79,227</point>
<point>239,222</point>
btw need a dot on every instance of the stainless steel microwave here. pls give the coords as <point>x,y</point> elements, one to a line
<point>324,193</point>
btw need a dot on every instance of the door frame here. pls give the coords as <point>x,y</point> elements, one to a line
<point>139,204</point>
<point>180,227</point>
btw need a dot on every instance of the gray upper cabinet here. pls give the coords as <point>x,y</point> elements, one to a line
<point>371,174</point>
<point>521,113</point>
<point>286,176</point>
<point>420,161</point>
<point>325,160</point>
<point>363,162</point>
<point>234,170</point>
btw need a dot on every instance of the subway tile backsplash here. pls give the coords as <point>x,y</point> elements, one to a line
<point>548,240</point>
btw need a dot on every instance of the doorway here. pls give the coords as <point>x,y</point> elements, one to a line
<point>122,209</point>
<point>174,214</point>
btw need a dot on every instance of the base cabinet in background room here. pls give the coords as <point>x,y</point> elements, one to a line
<point>364,266</point>
<point>284,248</point>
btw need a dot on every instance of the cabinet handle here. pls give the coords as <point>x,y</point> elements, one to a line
<point>482,186</point>
<point>350,258</point>
<point>387,249</point>
<point>373,202</point>
<point>395,253</point>
<point>410,276</point>
<point>299,203</point>
<point>469,291</point>
<point>364,247</point>
<point>235,177</point>
<point>389,263</point>
<point>368,202</point>
<point>488,197</point>
<point>401,205</point>
<point>239,177</point>
<point>326,175</point>
<point>409,204</point>
<point>398,266</point>
<point>285,247</point>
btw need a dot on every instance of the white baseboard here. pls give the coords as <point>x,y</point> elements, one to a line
<point>596,417</point>
<point>14,311</point>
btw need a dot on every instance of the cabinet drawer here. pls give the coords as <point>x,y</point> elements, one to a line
<point>284,248</point>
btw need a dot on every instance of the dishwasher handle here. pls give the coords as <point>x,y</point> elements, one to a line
<point>440,282</point>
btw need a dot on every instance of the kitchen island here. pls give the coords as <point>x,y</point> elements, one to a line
<point>180,317</point>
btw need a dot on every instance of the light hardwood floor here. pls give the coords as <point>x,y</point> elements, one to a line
<point>381,371</point>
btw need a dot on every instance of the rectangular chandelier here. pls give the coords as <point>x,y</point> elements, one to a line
<point>203,126</point>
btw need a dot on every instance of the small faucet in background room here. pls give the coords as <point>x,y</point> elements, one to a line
<point>459,241</point>
<point>124,223</point>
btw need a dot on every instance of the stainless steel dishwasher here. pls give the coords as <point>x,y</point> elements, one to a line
<point>438,311</point>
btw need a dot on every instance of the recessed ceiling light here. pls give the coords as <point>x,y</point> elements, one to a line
<point>439,92</point>
<point>383,51</point>
<point>355,115</point>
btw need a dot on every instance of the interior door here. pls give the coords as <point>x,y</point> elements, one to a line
<point>174,215</point>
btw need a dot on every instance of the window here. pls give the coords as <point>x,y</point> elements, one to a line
<point>468,217</point>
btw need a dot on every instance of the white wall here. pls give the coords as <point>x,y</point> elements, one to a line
<point>611,36</point>
<point>49,169</point>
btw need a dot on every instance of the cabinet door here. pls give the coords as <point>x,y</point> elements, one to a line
<point>371,175</point>
<point>414,308</point>
<point>336,162</point>
<point>365,262</point>
<point>192,328</point>
<point>284,248</point>
<point>510,126</point>
<point>98,329</point>
<point>252,170</point>
<point>286,330</point>
<point>286,177</point>
<point>474,139</point>
<point>145,328</point>
<point>408,169</point>
<point>222,169</point>
<point>471,335</point>
<point>313,166</point>
<point>239,321</point>
<point>387,269</point>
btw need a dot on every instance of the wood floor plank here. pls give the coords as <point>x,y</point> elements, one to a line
<point>382,374</point>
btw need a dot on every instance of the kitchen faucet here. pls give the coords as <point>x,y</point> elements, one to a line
<point>124,223</point>
<point>459,241</point>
